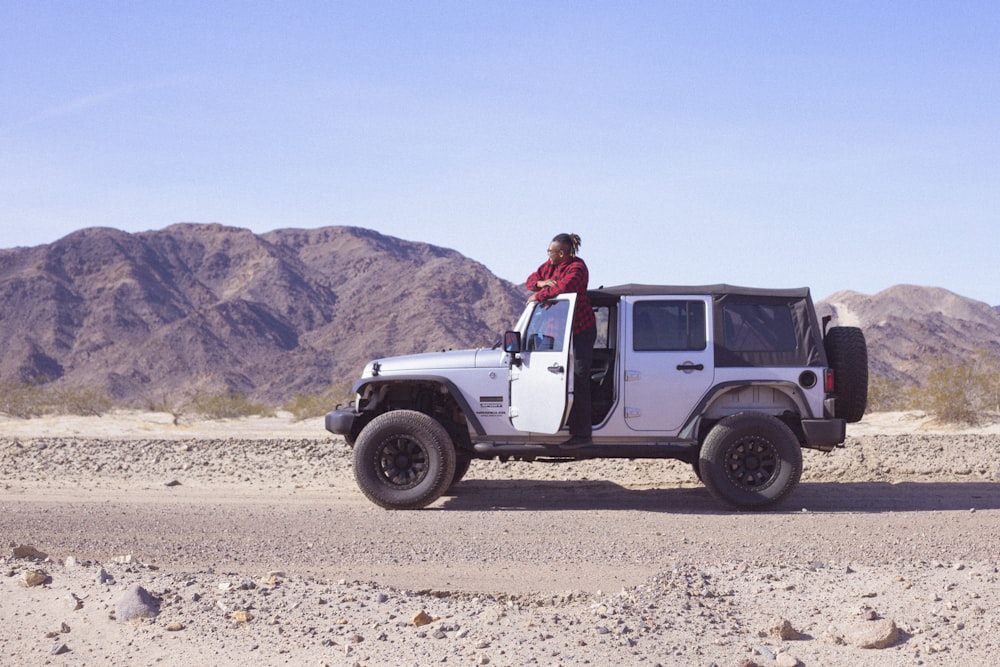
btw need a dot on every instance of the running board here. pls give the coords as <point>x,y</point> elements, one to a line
<point>667,449</point>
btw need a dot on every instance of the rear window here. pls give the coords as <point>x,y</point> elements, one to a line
<point>758,327</point>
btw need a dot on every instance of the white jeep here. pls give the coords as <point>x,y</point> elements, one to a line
<point>732,380</point>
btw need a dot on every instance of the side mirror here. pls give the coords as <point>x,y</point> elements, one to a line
<point>512,342</point>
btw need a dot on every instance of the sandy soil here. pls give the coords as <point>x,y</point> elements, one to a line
<point>254,545</point>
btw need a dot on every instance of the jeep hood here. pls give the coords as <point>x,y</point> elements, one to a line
<point>434,361</point>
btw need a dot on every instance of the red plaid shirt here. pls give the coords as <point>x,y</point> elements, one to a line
<point>570,276</point>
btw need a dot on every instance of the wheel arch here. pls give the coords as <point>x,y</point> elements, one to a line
<point>379,393</point>
<point>777,398</point>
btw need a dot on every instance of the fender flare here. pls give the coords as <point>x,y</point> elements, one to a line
<point>452,388</point>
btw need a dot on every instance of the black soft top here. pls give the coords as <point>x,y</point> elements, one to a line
<point>635,289</point>
<point>730,303</point>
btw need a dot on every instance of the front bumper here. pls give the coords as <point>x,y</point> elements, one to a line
<point>341,421</point>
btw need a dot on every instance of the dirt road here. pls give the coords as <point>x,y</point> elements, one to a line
<point>511,536</point>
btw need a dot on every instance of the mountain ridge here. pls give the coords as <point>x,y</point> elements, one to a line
<point>210,307</point>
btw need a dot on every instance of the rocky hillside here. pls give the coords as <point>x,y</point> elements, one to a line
<point>908,327</point>
<point>193,306</point>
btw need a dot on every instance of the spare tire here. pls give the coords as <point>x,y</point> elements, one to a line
<point>847,355</point>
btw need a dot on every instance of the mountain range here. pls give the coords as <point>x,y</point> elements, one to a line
<point>204,307</point>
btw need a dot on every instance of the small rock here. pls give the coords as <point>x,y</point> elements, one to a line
<point>174,626</point>
<point>786,660</point>
<point>28,552</point>
<point>59,649</point>
<point>63,628</point>
<point>31,578</point>
<point>241,616</point>
<point>781,628</point>
<point>766,652</point>
<point>421,618</point>
<point>136,603</point>
<point>872,634</point>
<point>171,482</point>
<point>71,561</point>
<point>103,577</point>
<point>72,602</point>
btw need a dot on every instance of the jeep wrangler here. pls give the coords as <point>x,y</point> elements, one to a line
<point>734,381</point>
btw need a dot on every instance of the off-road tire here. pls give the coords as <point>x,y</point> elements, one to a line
<point>847,354</point>
<point>750,461</point>
<point>404,459</point>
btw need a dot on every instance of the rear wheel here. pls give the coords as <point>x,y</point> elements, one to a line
<point>750,461</point>
<point>404,460</point>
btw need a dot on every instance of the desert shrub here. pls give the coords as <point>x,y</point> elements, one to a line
<point>78,401</point>
<point>307,406</point>
<point>961,392</point>
<point>21,399</point>
<point>885,394</point>
<point>32,399</point>
<point>229,405</point>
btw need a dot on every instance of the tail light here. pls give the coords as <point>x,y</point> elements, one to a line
<point>828,384</point>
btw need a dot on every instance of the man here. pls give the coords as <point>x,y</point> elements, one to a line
<point>565,273</point>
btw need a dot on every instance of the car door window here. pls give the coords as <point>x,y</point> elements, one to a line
<point>662,326</point>
<point>547,327</point>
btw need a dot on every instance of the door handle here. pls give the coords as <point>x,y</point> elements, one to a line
<point>690,367</point>
<point>556,368</point>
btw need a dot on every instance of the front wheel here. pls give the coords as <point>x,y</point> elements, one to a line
<point>404,459</point>
<point>750,461</point>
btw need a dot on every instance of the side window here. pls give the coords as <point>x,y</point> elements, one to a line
<point>547,327</point>
<point>668,326</point>
<point>759,327</point>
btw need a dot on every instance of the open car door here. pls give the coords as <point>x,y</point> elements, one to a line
<point>541,385</point>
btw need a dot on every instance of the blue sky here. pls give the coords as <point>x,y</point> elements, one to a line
<point>838,145</point>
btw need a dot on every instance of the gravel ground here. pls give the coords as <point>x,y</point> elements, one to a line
<point>251,543</point>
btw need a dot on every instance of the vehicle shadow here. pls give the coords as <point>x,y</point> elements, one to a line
<point>831,497</point>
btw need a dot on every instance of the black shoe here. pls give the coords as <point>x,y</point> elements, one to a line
<point>576,441</point>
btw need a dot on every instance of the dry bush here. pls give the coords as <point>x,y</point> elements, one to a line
<point>886,395</point>
<point>961,392</point>
<point>307,406</point>
<point>32,399</point>
<point>21,399</point>
<point>229,405</point>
